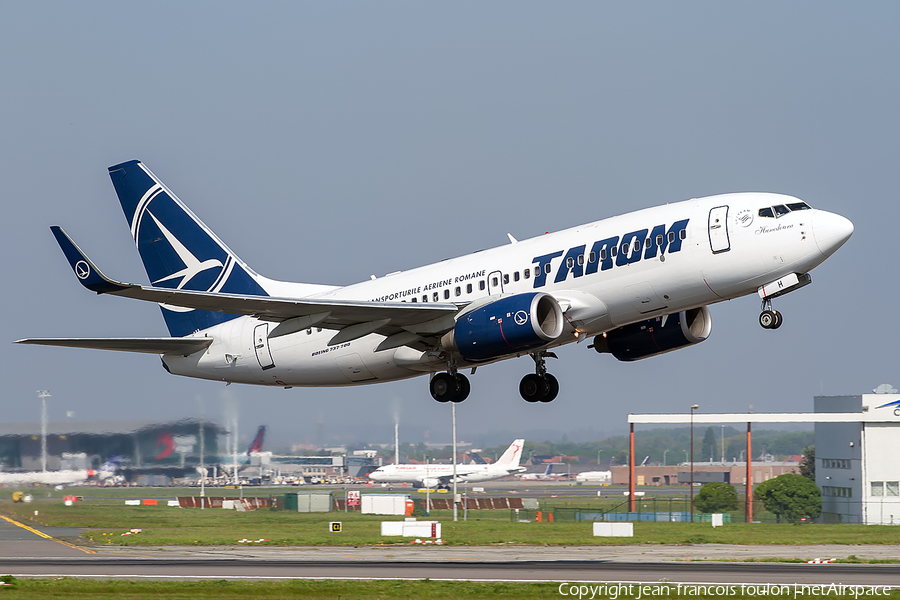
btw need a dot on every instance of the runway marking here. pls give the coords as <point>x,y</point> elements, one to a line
<point>472,580</point>
<point>381,558</point>
<point>44,535</point>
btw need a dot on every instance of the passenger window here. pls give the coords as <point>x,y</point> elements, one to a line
<point>527,273</point>
<point>766,212</point>
<point>537,271</point>
<point>592,257</point>
<point>495,282</point>
<point>468,288</point>
<point>780,210</point>
<point>414,299</point>
<point>580,259</point>
<point>637,245</point>
<point>435,296</point>
<point>547,268</point>
<point>683,234</point>
<point>647,243</point>
<point>570,262</point>
<point>516,276</point>
<point>613,250</point>
<point>659,240</point>
<point>425,298</point>
<point>318,329</point>
<point>505,278</point>
<point>671,236</point>
<point>458,291</point>
<point>309,331</point>
<point>799,206</point>
<point>446,294</point>
<point>481,285</point>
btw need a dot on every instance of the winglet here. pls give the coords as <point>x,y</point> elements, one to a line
<point>87,273</point>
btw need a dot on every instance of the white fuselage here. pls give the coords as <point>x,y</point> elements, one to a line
<point>722,250</point>
<point>432,475</point>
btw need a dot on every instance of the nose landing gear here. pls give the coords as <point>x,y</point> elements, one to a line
<point>770,318</point>
<point>539,386</point>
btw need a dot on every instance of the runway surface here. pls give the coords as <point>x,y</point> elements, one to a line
<point>28,551</point>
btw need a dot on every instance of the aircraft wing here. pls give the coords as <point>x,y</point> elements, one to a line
<point>148,345</point>
<point>294,314</point>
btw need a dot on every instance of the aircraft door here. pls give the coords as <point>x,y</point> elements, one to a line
<point>261,346</point>
<point>495,283</point>
<point>718,230</point>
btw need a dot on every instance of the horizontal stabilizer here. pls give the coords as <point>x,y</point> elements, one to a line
<point>147,345</point>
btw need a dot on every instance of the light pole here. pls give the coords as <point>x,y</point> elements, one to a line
<point>598,457</point>
<point>202,468</point>
<point>664,456</point>
<point>453,411</point>
<point>723,444</point>
<point>43,395</point>
<point>427,488</point>
<point>693,408</point>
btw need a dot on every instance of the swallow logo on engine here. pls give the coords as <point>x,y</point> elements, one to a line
<point>521,317</point>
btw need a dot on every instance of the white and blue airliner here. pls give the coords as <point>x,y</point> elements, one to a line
<point>637,284</point>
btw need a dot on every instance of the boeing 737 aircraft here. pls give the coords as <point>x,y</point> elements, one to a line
<point>639,284</point>
<point>442,475</point>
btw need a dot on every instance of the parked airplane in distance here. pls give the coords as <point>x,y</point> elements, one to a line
<point>105,473</point>
<point>639,284</point>
<point>442,475</point>
<point>547,475</point>
<point>257,444</point>
<point>595,476</point>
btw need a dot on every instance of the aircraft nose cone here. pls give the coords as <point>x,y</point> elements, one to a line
<point>831,231</point>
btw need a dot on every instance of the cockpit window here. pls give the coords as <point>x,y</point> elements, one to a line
<point>766,212</point>
<point>799,206</point>
<point>780,210</point>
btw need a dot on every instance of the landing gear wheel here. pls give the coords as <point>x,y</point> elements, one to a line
<point>533,388</point>
<point>463,382</point>
<point>552,388</point>
<point>778,319</point>
<point>444,387</point>
<point>768,319</point>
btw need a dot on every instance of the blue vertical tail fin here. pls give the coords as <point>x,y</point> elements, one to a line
<point>178,250</point>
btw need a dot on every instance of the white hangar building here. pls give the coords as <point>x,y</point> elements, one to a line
<point>858,462</point>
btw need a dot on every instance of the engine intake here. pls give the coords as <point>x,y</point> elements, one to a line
<point>656,336</point>
<point>513,324</point>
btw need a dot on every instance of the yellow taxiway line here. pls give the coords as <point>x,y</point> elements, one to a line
<point>44,535</point>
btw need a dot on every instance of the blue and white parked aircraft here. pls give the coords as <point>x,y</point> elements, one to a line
<point>639,284</point>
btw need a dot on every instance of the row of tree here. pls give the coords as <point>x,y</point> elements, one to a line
<point>789,497</point>
<point>671,446</point>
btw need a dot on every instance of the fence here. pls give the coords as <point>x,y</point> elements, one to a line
<point>663,509</point>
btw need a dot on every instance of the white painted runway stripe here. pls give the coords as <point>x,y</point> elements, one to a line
<point>556,581</point>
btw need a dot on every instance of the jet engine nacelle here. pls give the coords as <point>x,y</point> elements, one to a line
<point>431,482</point>
<point>656,336</point>
<point>512,324</point>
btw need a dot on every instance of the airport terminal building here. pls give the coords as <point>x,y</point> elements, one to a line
<point>146,453</point>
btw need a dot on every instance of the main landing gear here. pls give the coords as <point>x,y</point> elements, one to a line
<point>539,386</point>
<point>450,386</point>
<point>770,318</point>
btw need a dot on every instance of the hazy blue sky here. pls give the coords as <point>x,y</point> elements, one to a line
<point>328,141</point>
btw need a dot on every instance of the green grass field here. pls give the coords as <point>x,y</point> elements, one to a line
<point>105,517</point>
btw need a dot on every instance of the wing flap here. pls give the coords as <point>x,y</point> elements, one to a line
<point>145,345</point>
